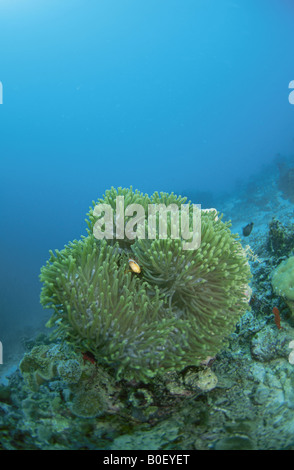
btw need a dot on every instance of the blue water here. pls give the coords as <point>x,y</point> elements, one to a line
<point>167,95</point>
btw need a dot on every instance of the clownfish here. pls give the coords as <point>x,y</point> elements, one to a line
<point>134,267</point>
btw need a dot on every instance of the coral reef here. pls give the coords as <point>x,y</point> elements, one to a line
<point>38,366</point>
<point>280,238</point>
<point>286,180</point>
<point>65,397</point>
<point>85,387</point>
<point>179,310</point>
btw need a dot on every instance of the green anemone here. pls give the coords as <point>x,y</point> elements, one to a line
<point>177,312</point>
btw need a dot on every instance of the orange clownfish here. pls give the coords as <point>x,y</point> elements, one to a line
<point>134,267</point>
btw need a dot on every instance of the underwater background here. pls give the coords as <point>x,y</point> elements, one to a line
<point>190,97</point>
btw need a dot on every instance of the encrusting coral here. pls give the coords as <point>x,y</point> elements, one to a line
<point>179,310</point>
<point>283,281</point>
<point>39,365</point>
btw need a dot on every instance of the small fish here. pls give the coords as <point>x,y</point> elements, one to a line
<point>88,356</point>
<point>134,266</point>
<point>247,230</point>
